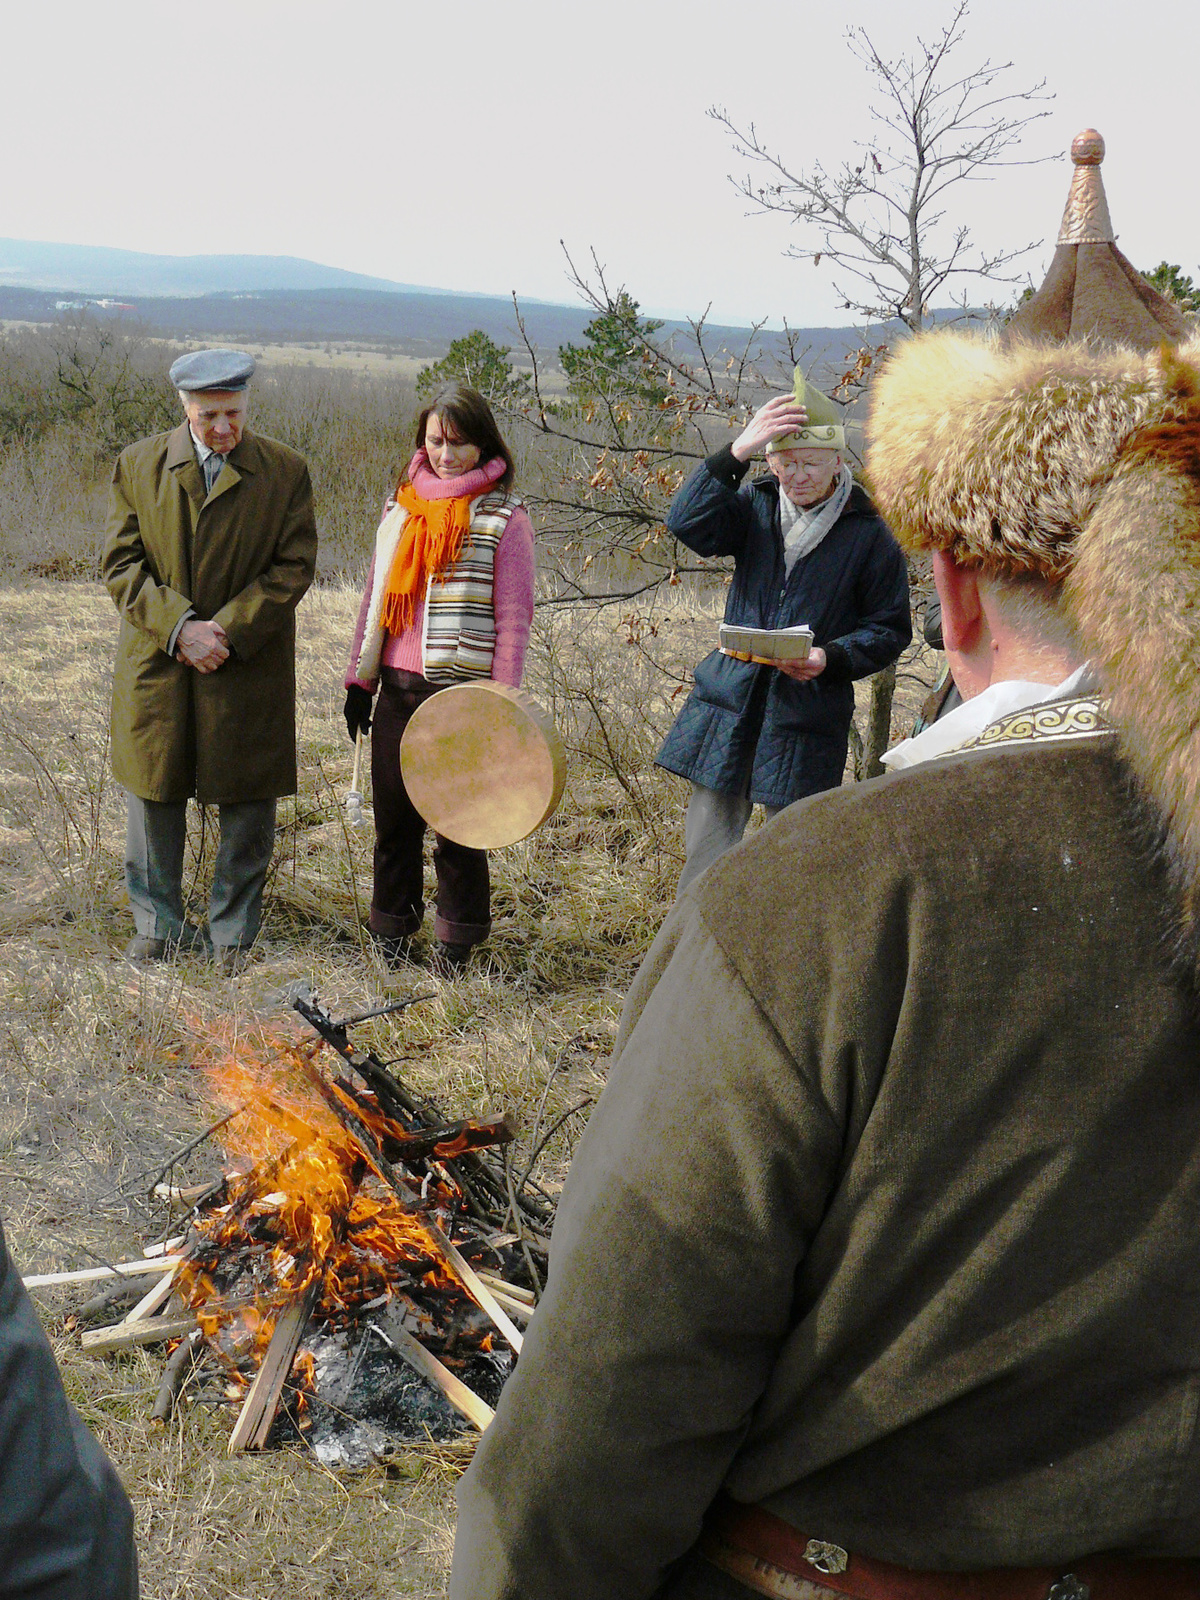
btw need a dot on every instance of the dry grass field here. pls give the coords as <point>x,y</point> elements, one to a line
<point>100,1085</point>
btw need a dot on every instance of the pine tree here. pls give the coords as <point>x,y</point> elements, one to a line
<point>478,361</point>
<point>616,363</point>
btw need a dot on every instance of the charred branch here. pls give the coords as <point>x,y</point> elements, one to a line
<point>175,1375</point>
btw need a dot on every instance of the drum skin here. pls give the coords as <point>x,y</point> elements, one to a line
<point>483,764</point>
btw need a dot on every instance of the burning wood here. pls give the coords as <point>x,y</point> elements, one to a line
<point>151,1330</point>
<point>254,1421</point>
<point>355,1210</point>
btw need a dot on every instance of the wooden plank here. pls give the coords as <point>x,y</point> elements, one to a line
<point>123,1335</point>
<point>512,1291</point>
<point>515,1308</point>
<point>119,1269</point>
<point>412,1351</point>
<point>169,1247</point>
<point>471,1282</point>
<point>152,1303</point>
<point>188,1195</point>
<point>254,1421</point>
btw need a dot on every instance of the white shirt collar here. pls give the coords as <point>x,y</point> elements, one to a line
<point>945,735</point>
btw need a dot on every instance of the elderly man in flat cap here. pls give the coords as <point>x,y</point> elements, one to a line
<point>211,544</point>
<point>877,1272</point>
<point>808,548</point>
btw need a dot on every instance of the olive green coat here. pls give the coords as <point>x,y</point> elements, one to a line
<point>888,1217</point>
<point>242,556</point>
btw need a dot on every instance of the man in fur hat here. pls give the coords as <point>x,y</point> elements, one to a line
<point>808,548</point>
<point>878,1269</point>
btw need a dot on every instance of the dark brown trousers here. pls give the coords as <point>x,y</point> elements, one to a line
<point>463,909</point>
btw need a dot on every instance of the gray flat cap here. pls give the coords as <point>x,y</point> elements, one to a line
<point>212,369</point>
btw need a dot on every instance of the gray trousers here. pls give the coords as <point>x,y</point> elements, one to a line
<point>714,823</point>
<point>155,835</point>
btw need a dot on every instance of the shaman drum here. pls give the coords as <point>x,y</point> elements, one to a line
<point>483,764</point>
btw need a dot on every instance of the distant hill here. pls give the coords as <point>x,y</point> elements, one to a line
<point>287,300</point>
<point>418,322</point>
<point>97,270</point>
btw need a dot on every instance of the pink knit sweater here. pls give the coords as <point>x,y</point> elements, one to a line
<point>512,582</point>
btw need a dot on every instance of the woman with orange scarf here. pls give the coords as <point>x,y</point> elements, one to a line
<point>448,599</point>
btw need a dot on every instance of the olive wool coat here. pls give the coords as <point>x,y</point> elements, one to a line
<point>745,721</point>
<point>242,556</point>
<point>886,1219</point>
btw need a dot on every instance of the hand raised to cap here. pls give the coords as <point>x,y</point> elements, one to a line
<point>203,645</point>
<point>780,415</point>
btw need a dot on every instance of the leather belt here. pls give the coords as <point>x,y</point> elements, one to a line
<point>771,1557</point>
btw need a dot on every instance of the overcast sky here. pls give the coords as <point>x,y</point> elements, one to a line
<point>456,146</point>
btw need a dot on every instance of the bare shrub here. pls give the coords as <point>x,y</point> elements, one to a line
<point>611,675</point>
<point>356,434</point>
<point>73,395</point>
<point>59,810</point>
<point>52,493</point>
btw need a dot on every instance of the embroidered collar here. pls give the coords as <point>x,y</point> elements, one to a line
<point>1082,716</point>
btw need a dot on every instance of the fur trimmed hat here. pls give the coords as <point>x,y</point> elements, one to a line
<point>1076,464</point>
<point>1001,456</point>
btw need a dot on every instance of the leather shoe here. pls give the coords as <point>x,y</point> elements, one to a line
<point>145,947</point>
<point>398,952</point>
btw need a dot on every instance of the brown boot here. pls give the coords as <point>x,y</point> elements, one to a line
<point>448,960</point>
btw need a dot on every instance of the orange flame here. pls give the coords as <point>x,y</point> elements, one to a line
<point>309,1207</point>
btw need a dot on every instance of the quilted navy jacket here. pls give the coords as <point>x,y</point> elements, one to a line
<point>852,591</point>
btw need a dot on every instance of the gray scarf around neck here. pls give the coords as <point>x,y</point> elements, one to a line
<point>804,529</point>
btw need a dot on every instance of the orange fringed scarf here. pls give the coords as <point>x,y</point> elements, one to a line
<point>430,541</point>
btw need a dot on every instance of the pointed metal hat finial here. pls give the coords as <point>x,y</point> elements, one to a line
<point>1086,219</point>
<point>1090,290</point>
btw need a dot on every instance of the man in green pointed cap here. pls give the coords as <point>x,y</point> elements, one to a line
<point>809,548</point>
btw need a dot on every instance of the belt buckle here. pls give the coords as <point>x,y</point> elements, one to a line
<point>832,1559</point>
<point>1069,1587</point>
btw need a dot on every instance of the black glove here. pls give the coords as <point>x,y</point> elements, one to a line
<point>357,711</point>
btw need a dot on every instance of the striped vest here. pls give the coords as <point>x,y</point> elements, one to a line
<point>458,636</point>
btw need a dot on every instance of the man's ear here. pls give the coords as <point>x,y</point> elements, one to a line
<point>962,613</point>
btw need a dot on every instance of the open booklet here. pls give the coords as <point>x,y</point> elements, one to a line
<point>766,645</point>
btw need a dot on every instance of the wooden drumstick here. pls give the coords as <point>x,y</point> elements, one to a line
<point>354,799</point>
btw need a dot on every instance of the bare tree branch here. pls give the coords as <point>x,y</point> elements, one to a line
<point>878,218</point>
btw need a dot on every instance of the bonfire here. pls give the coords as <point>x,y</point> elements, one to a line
<point>356,1275</point>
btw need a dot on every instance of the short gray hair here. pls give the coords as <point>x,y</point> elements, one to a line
<point>1034,608</point>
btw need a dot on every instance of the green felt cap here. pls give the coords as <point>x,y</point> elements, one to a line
<point>824,431</point>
